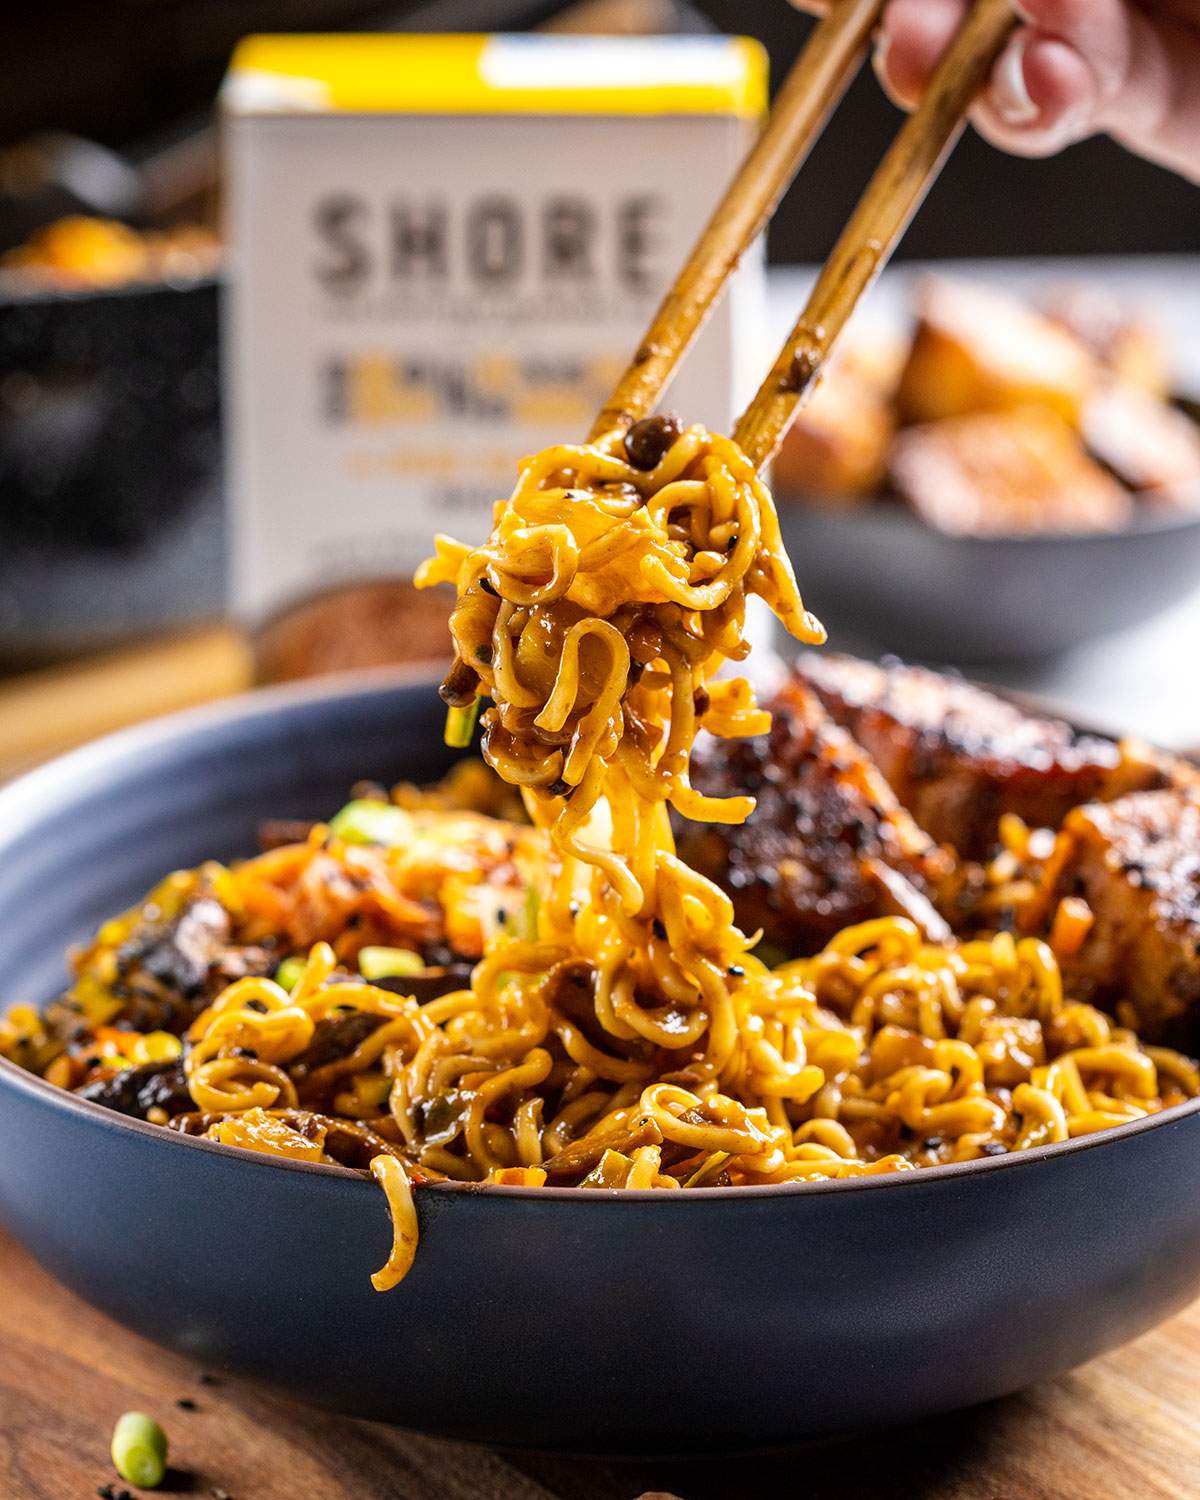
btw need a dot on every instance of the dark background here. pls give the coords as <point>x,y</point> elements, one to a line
<point>125,71</point>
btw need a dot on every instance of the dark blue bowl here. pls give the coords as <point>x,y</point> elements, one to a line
<point>590,1321</point>
<point>880,579</point>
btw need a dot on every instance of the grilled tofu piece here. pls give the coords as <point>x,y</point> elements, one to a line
<point>1136,862</point>
<point>958,757</point>
<point>837,446</point>
<point>828,843</point>
<point>978,350</point>
<point>1005,474</point>
<point>1129,348</point>
<point>1152,448</point>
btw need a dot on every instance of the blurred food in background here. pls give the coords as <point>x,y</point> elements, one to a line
<point>1001,418</point>
<point>1009,479</point>
<point>81,252</point>
<point>111,525</point>
<point>375,623</point>
<point>1050,422</point>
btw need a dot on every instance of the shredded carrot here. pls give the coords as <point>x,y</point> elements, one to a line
<point>1072,923</point>
<point>518,1176</point>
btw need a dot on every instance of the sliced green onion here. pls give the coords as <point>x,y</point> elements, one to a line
<point>389,963</point>
<point>460,725</point>
<point>139,1450</point>
<point>157,1046</point>
<point>365,822</point>
<point>533,910</point>
<point>287,975</point>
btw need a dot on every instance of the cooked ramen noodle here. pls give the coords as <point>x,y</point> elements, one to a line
<point>434,994</point>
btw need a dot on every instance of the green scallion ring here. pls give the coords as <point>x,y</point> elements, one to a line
<point>460,724</point>
<point>139,1450</point>
<point>290,972</point>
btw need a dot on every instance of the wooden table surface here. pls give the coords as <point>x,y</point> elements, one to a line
<point>1126,1427</point>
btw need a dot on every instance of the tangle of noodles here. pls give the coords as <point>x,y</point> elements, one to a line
<point>882,1053</point>
<point>626,1036</point>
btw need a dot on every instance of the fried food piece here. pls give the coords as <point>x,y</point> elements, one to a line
<point>1136,863</point>
<point>828,834</point>
<point>1128,348</point>
<point>976,350</point>
<point>837,447</point>
<point>1150,447</point>
<point>958,757</point>
<point>1005,474</point>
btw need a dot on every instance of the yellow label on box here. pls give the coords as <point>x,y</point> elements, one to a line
<point>443,252</point>
<point>362,74</point>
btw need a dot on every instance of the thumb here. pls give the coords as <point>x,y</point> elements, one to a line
<point>1079,66</point>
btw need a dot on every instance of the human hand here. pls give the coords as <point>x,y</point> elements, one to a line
<point>1071,69</point>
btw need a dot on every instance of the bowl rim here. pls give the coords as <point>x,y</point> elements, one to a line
<point>13,1076</point>
<point>891,517</point>
<point>20,804</point>
<point>89,761</point>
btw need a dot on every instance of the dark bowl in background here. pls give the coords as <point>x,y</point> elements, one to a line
<point>111,510</point>
<point>610,1322</point>
<point>877,575</point>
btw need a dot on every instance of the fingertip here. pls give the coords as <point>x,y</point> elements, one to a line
<point>1043,96</point>
<point>1060,82</point>
<point>913,34</point>
<point>1009,92</point>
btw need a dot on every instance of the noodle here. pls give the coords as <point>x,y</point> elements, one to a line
<point>623,1033</point>
<point>881,1053</point>
<point>596,617</point>
<point>393,1179</point>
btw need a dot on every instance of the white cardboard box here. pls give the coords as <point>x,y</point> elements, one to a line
<point>444,250</point>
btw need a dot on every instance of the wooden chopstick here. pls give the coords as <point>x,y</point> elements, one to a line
<point>883,214</point>
<point>813,88</point>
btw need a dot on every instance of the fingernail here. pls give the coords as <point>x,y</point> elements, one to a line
<point>1010,95</point>
<point>879,57</point>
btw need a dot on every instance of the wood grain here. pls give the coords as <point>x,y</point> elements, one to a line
<point>1126,1427</point>
<point>44,713</point>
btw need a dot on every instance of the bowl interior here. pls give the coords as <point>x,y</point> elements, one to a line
<point>89,834</point>
<point>261,1269</point>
